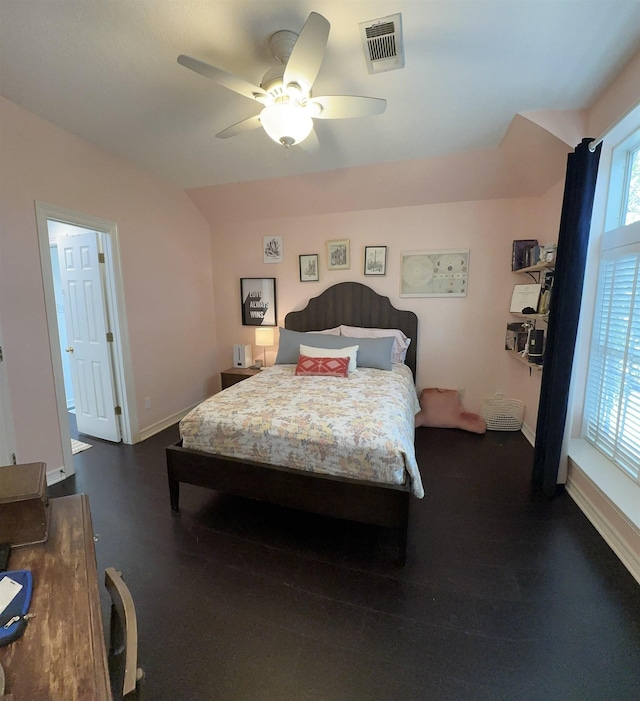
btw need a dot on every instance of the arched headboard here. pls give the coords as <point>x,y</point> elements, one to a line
<point>354,304</point>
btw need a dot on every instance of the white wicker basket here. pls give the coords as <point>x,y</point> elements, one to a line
<point>503,414</point>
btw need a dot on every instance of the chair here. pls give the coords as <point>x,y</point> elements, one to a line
<point>123,634</point>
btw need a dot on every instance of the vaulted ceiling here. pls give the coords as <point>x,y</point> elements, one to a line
<point>107,72</point>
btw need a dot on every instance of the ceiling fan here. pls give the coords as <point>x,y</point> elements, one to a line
<point>285,91</point>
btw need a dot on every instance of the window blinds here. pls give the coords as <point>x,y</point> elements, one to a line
<point>612,406</point>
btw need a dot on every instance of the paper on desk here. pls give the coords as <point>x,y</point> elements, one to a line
<point>9,589</point>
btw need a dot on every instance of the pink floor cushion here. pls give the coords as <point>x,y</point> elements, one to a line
<point>442,408</point>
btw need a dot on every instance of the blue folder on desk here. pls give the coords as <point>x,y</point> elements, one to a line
<point>19,606</point>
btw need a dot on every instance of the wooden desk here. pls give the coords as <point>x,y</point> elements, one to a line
<point>61,655</point>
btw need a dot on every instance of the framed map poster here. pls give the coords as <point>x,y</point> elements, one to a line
<point>434,273</point>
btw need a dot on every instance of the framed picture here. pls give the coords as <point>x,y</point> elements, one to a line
<point>522,253</point>
<point>434,273</point>
<point>258,296</point>
<point>309,267</point>
<point>525,297</point>
<point>516,337</point>
<point>375,260</point>
<point>272,249</point>
<point>338,255</point>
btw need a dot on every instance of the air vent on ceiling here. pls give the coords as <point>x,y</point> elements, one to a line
<point>382,43</point>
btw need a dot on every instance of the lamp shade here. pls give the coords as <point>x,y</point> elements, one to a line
<point>265,336</point>
<point>286,123</point>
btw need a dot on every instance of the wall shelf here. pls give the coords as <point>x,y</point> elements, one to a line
<point>543,317</point>
<point>537,268</point>
<point>525,334</point>
<point>520,358</point>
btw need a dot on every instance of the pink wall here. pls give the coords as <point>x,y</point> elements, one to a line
<point>520,382</point>
<point>528,162</point>
<point>481,201</point>
<point>461,343</point>
<point>165,251</point>
<point>616,99</point>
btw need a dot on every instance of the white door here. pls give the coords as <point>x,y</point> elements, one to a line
<point>88,349</point>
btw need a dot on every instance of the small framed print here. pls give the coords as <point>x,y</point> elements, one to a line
<point>434,273</point>
<point>272,249</point>
<point>309,267</point>
<point>375,260</point>
<point>338,255</point>
<point>258,297</point>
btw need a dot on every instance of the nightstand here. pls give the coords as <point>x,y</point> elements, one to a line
<point>233,375</point>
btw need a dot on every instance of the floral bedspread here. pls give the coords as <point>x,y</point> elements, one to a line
<point>361,427</point>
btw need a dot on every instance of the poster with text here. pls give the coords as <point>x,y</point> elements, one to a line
<point>258,295</point>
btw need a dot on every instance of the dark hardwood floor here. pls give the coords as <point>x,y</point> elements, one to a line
<point>502,597</point>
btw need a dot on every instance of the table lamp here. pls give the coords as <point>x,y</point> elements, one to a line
<point>265,337</point>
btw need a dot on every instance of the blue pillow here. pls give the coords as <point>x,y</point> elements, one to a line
<point>372,353</point>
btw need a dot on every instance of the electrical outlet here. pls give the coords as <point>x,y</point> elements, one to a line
<point>147,402</point>
<point>461,392</point>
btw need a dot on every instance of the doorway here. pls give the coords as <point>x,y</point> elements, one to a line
<point>78,264</point>
<point>54,223</point>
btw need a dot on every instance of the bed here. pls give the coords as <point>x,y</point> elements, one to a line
<point>360,500</point>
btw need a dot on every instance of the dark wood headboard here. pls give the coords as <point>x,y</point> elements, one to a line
<point>354,304</point>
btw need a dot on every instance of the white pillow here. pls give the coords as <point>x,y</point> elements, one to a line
<point>335,331</point>
<point>400,341</point>
<point>350,352</point>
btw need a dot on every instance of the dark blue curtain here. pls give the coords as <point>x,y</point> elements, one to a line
<point>564,312</point>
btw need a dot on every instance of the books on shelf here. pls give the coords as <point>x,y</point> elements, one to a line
<point>525,253</point>
<point>516,337</point>
<point>546,287</point>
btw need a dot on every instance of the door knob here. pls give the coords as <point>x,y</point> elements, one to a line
<point>69,349</point>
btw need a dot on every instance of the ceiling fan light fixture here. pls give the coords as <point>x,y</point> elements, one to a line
<point>313,108</point>
<point>288,109</point>
<point>294,92</point>
<point>286,123</point>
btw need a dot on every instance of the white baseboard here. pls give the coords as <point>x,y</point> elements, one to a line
<point>622,536</point>
<point>529,434</point>
<point>59,474</point>
<point>55,476</point>
<point>161,425</point>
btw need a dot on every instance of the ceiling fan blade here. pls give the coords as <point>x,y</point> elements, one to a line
<point>311,143</point>
<point>240,127</point>
<point>346,106</point>
<point>307,54</point>
<point>231,82</point>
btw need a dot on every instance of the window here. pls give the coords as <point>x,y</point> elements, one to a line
<point>612,403</point>
<point>631,205</point>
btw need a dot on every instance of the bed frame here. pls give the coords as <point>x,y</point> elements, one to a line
<point>349,303</point>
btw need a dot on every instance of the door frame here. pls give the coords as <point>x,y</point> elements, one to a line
<point>7,434</point>
<point>114,301</point>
